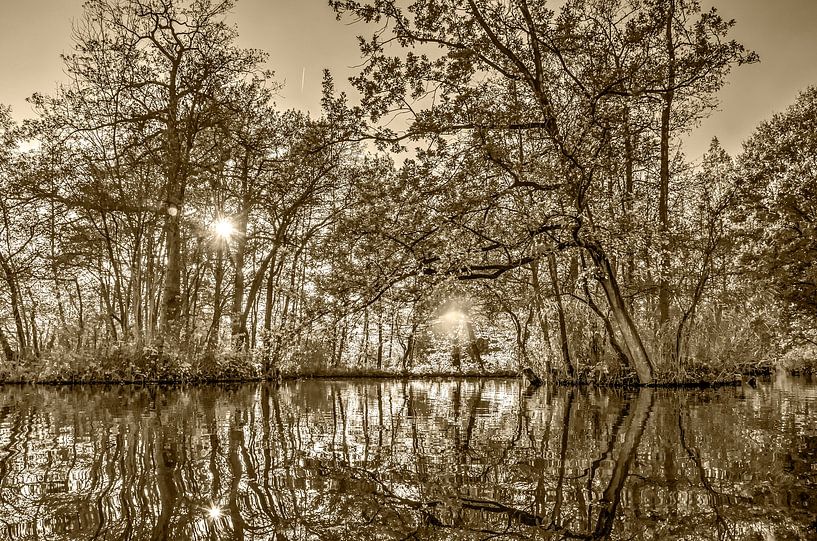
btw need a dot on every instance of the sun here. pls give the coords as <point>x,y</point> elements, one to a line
<point>453,317</point>
<point>223,228</point>
<point>452,321</point>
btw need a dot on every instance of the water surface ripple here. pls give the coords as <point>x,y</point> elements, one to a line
<point>389,459</point>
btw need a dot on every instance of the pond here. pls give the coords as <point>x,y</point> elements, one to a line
<point>421,459</point>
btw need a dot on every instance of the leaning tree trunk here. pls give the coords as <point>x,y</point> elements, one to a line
<point>634,349</point>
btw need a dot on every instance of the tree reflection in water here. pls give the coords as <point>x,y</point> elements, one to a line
<point>458,459</point>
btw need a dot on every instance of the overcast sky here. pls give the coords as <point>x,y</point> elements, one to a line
<point>303,38</point>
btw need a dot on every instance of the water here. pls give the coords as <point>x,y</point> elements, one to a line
<point>448,459</point>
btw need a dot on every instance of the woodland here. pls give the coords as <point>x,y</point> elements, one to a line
<point>503,188</point>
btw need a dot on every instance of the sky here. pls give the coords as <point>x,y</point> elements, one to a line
<point>303,38</point>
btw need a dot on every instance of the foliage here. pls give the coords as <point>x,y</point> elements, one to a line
<point>519,161</point>
<point>779,203</point>
<point>536,131</point>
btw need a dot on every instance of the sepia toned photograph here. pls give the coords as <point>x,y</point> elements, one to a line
<point>327,270</point>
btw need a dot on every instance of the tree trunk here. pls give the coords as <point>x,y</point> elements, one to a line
<point>238,323</point>
<point>250,303</point>
<point>135,288</point>
<point>267,329</point>
<point>80,316</point>
<point>238,319</point>
<point>408,355</point>
<point>35,338</point>
<point>117,300</point>
<point>14,294</point>
<point>633,347</point>
<point>363,350</point>
<point>473,346</point>
<point>171,294</point>
<point>554,278</point>
<point>663,200</point>
<point>380,336</point>
<point>150,299</point>
<point>629,177</point>
<point>8,353</point>
<point>218,275</point>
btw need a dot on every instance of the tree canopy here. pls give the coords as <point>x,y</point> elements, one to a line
<point>507,189</point>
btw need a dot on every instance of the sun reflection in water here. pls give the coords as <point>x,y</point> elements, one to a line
<point>214,512</point>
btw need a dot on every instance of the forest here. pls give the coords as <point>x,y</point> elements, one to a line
<point>503,188</point>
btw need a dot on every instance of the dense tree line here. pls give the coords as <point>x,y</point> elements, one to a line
<point>509,191</point>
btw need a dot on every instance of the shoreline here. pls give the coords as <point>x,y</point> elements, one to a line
<point>749,377</point>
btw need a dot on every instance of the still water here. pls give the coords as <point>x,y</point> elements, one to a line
<point>431,459</point>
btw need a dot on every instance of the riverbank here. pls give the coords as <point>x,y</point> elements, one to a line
<point>124,367</point>
<point>128,364</point>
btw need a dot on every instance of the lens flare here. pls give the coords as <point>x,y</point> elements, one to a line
<point>452,321</point>
<point>224,228</point>
<point>453,317</point>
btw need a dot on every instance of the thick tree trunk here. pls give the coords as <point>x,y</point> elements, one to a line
<point>608,326</point>
<point>630,338</point>
<point>176,169</point>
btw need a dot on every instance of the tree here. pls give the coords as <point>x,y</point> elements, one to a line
<point>148,79</point>
<point>535,103</point>
<point>779,203</point>
<point>690,60</point>
<point>707,247</point>
<point>12,242</point>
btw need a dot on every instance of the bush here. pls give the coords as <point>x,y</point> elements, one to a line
<point>800,359</point>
